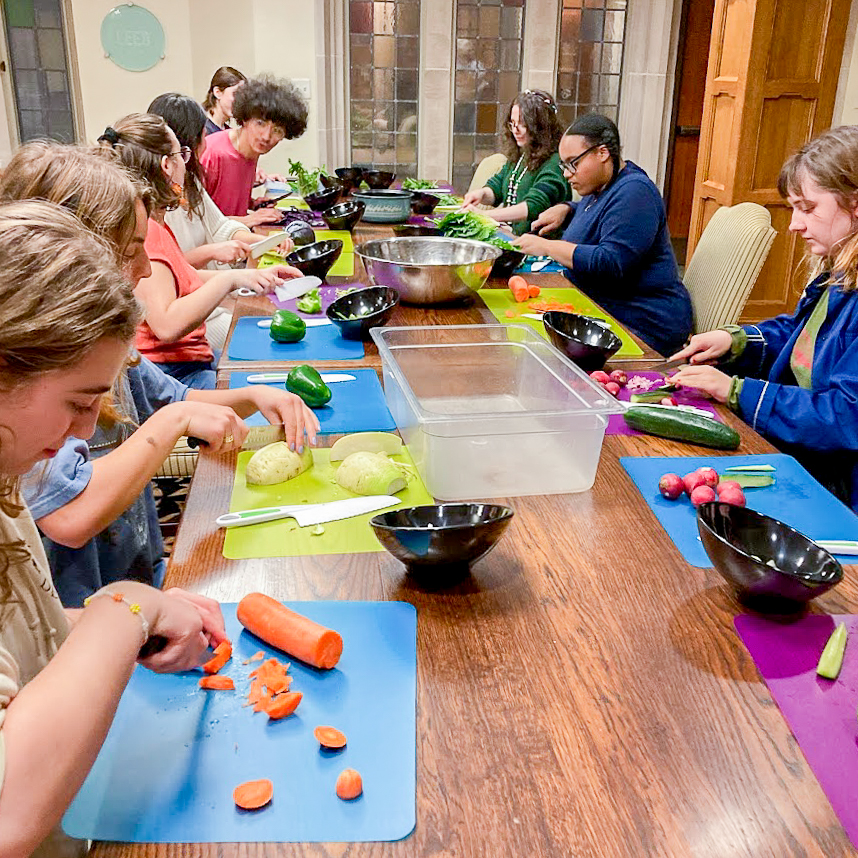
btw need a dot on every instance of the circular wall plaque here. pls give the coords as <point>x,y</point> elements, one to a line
<point>132,37</point>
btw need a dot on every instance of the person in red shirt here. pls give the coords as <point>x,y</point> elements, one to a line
<point>267,111</point>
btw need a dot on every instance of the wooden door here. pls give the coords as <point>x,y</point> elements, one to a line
<point>695,33</point>
<point>770,87</point>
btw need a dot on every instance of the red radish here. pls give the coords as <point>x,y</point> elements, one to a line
<point>671,486</point>
<point>703,494</point>
<point>619,376</point>
<point>734,497</point>
<point>668,400</point>
<point>600,376</point>
<point>692,481</point>
<point>727,484</point>
<point>613,388</point>
<point>710,476</point>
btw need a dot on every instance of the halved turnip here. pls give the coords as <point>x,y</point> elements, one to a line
<point>276,463</point>
<point>366,473</point>
<point>368,442</point>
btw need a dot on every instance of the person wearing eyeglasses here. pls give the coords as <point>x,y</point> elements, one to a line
<point>267,110</point>
<point>531,180</point>
<point>615,244</point>
<point>177,298</point>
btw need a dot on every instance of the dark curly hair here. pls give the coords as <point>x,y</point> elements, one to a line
<point>598,130</point>
<point>538,112</point>
<point>188,121</point>
<point>272,100</point>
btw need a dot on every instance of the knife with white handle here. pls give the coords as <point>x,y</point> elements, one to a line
<point>838,546</point>
<point>308,514</point>
<point>280,377</point>
<point>310,323</point>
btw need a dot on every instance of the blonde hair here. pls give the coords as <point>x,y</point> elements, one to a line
<point>831,161</point>
<point>61,292</point>
<point>140,140</point>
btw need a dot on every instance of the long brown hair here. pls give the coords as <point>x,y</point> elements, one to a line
<point>61,292</point>
<point>538,111</point>
<point>225,76</point>
<point>140,140</point>
<point>830,160</point>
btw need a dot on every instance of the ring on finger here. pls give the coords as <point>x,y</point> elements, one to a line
<point>228,439</point>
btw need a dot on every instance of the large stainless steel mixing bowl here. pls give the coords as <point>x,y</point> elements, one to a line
<point>428,270</point>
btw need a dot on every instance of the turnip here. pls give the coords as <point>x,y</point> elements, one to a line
<point>671,486</point>
<point>370,442</point>
<point>600,376</point>
<point>710,476</point>
<point>692,481</point>
<point>276,463</point>
<point>732,496</point>
<point>702,494</point>
<point>367,473</point>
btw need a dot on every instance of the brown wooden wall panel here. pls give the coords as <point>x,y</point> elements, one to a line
<point>784,126</point>
<point>798,40</point>
<point>734,38</point>
<point>717,173</point>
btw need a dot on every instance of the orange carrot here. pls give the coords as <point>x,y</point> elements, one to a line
<point>253,794</point>
<point>222,654</point>
<point>518,287</point>
<point>510,314</point>
<point>330,737</point>
<point>257,656</point>
<point>288,631</point>
<point>217,683</point>
<point>349,784</point>
<point>284,705</point>
<point>532,291</point>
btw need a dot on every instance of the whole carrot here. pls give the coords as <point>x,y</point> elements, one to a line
<point>289,631</point>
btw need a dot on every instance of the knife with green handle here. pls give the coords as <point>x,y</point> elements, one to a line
<point>308,514</point>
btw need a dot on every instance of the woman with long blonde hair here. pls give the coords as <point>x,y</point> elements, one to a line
<point>794,378</point>
<point>68,320</point>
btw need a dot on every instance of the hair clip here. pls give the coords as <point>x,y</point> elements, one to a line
<point>547,99</point>
<point>110,135</point>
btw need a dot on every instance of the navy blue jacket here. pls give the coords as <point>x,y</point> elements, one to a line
<point>818,426</point>
<point>624,260</point>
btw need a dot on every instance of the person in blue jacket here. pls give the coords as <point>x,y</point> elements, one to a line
<point>794,378</point>
<point>615,244</point>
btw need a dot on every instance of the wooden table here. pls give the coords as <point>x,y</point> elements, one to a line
<point>583,694</point>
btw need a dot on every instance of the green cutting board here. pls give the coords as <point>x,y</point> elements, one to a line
<point>293,202</point>
<point>284,538</point>
<point>343,267</point>
<point>500,300</point>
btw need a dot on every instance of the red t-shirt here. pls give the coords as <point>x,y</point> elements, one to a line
<point>229,175</point>
<point>161,247</point>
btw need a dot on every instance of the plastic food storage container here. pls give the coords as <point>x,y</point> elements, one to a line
<point>492,410</point>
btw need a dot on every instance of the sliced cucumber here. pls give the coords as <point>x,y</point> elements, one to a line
<point>752,468</point>
<point>749,480</point>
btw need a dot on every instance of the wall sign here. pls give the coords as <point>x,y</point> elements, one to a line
<point>132,37</point>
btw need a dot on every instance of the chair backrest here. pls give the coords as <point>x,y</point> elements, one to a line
<point>726,263</point>
<point>490,165</point>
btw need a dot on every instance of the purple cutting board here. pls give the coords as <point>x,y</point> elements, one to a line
<point>328,294</point>
<point>820,712</point>
<point>618,426</point>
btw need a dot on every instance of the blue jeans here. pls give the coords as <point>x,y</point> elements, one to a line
<point>195,374</point>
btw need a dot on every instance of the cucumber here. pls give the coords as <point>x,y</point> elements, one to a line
<point>748,480</point>
<point>650,396</point>
<point>682,426</point>
<point>757,469</point>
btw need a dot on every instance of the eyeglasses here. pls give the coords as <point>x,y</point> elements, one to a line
<point>184,152</point>
<point>571,166</point>
<point>516,125</point>
<point>267,125</point>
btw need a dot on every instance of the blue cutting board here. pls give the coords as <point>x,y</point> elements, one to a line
<point>175,752</point>
<point>356,406</point>
<point>250,342</point>
<point>796,499</point>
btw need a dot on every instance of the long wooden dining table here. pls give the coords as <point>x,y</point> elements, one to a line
<point>582,693</point>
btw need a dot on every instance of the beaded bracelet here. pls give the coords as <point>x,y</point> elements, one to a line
<point>132,606</point>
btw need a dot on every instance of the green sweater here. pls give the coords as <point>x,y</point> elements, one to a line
<point>539,190</point>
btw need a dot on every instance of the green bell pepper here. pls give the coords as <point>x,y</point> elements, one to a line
<point>310,303</point>
<point>287,327</point>
<point>305,381</point>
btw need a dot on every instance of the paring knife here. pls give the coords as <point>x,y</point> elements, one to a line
<point>310,323</point>
<point>268,243</point>
<point>307,514</point>
<point>296,288</point>
<point>280,377</point>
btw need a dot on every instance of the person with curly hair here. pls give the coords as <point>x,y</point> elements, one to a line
<point>267,111</point>
<point>531,180</point>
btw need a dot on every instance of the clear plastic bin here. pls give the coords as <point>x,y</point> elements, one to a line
<point>492,410</point>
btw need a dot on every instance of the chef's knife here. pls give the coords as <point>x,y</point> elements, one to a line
<point>310,323</point>
<point>268,243</point>
<point>296,288</point>
<point>307,514</point>
<point>280,377</point>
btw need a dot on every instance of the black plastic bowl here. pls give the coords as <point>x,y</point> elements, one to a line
<point>344,215</point>
<point>585,341</point>
<point>440,542</point>
<point>323,200</point>
<point>423,203</point>
<point>316,260</point>
<point>378,179</point>
<point>401,230</point>
<point>373,306</point>
<point>507,262</point>
<point>350,177</point>
<point>774,568</point>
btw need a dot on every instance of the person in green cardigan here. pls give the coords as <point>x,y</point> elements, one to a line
<point>531,180</point>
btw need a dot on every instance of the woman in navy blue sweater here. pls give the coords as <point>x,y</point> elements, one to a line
<point>615,244</point>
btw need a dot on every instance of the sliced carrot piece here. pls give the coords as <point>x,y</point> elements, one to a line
<point>264,701</point>
<point>349,784</point>
<point>532,291</point>
<point>330,737</point>
<point>252,795</point>
<point>257,656</point>
<point>217,683</point>
<point>222,654</point>
<point>510,314</point>
<point>284,705</point>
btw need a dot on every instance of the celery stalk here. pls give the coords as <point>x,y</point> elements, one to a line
<point>831,659</point>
